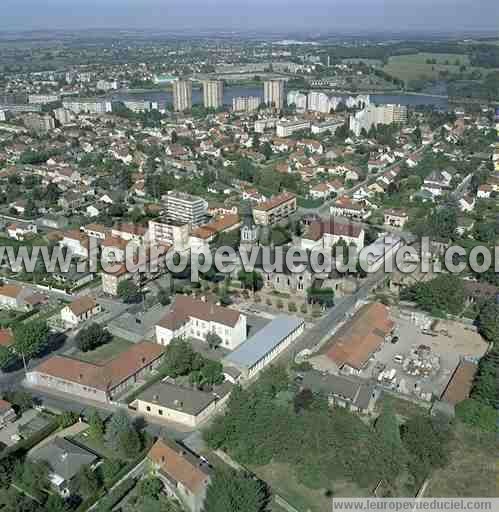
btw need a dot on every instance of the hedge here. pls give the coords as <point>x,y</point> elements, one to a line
<point>116,495</point>
<point>26,444</point>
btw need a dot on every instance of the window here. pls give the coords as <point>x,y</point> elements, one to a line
<point>148,409</point>
<point>160,412</point>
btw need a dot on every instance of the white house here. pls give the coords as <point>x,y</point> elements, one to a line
<point>80,310</point>
<point>196,318</point>
<point>19,232</point>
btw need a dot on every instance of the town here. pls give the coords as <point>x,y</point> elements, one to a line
<point>266,388</point>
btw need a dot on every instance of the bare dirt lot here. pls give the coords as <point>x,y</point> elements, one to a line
<point>449,342</point>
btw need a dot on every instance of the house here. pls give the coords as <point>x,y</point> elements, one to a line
<point>351,393</point>
<point>202,236</point>
<point>437,183</point>
<point>467,203</point>
<point>325,234</point>
<point>77,243</point>
<point>20,231</point>
<point>197,318</point>
<point>98,231</point>
<point>111,280</point>
<point>129,232</point>
<point>395,217</point>
<point>66,459</point>
<point>80,310</point>
<point>275,210</point>
<point>484,191</point>
<point>185,476</point>
<point>7,413</point>
<point>345,207</point>
<point>72,279</point>
<point>355,342</point>
<point>11,296</point>
<point>113,249</point>
<point>99,383</point>
<point>326,189</point>
<point>182,404</point>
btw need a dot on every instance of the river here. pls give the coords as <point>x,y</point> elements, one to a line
<point>165,97</point>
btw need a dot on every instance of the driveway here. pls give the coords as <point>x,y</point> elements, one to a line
<point>13,428</point>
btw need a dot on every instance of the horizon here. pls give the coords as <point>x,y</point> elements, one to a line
<point>341,16</point>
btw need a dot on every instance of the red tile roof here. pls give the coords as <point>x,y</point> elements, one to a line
<point>186,307</point>
<point>174,464</point>
<point>104,377</point>
<point>6,338</point>
<point>276,201</point>
<point>361,337</point>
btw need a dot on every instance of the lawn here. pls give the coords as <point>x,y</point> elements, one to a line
<point>283,481</point>
<point>105,352</point>
<point>94,446</point>
<point>414,66</point>
<point>472,471</point>
<point>403,408</point>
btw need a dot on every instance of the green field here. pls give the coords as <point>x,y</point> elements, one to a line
<point>415,66</point>
<point>472,471</point>
<point>105,352</point>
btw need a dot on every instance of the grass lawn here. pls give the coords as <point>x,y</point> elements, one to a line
<point>472,471</point>
<point>403,408</point>
<point>99,448</point>
<point>105,352</point>
<point>414,66</point>
<point>283,481</point>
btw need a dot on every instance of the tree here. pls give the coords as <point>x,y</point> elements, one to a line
<point>213,340</point>
<point>164,297</point>
<point>150,487</point>
<point>488,321</point>
<point>212,372</point>
<point>96,426</point>
<point>122,435</point>
<point>20,400</point>
<point>178,358</point>
<point>67,418</point>
<point>477,415</point>
<point>237,492</point>
<point>86,483</point>
<point>128,291</point>
<point>31,339</point>
<point>426,445</point>
<point>7,465</point>
<point>443,294</point>
<point>485,385</point>
<point>390,453</point>
<point>251,280</point>
<point>266,150</point>
<point>129,443</point>
<point>109,469</point>
<point>56,504</point>
<point>91,337</point>
<point>8,358</point>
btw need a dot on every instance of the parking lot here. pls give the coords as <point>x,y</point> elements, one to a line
<point>448,342</point>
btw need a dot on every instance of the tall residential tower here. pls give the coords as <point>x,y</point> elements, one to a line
<point>213,93</point>
<point>273,93</point>
<point>182,95</point>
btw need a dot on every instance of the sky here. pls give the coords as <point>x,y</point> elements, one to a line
<point>354,16</point>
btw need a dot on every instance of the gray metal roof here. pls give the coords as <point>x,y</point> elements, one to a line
<point>262,342</point>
